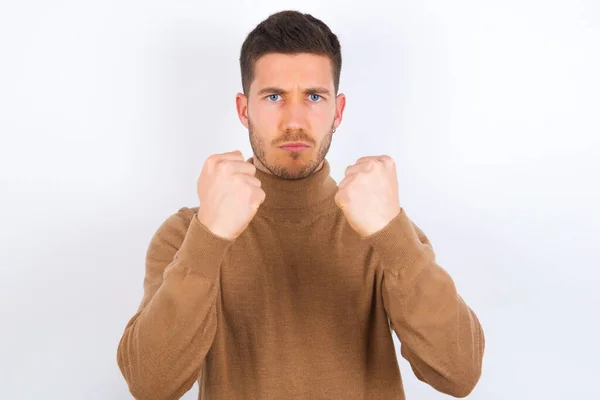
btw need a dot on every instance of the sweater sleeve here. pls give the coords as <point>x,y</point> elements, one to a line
<point>162,349</point>
<point>440,335</point>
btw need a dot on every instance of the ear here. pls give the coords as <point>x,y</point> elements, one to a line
<point>241,104</point>
<point>340,104</point>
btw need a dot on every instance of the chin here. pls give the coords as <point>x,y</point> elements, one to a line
<point>297,165</point>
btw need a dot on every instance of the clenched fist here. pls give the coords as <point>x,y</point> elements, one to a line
<point>368,194</point>
<point>229,194</point>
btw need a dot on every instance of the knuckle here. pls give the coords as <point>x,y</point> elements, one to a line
<point>247,188</point>
<point>387,160</point>
<point>257,192</point>
<point>222,166</point>
<point>370,164</point>
<point>212,159</point>
<point>236,179</point>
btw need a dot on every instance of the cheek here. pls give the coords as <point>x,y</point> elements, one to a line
<point>264,117</point>
<point>323,116</point>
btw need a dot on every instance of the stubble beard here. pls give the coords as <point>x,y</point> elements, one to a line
<point>259,148</point>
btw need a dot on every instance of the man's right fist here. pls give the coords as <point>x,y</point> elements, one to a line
<point>229,194</point>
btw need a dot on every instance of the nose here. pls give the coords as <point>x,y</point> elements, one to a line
<point>294,115</point>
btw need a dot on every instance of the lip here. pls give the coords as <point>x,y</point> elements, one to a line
<point>295,145</point>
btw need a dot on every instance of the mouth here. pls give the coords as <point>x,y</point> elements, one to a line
<point>296,146</point>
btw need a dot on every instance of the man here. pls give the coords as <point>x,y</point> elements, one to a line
<point>282,284</point>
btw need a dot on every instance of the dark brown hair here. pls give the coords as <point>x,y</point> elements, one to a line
<point>289,32</point>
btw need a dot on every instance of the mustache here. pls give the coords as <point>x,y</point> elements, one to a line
<point>294,136</point>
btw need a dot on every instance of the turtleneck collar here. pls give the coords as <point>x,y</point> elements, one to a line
<point>295,200</point>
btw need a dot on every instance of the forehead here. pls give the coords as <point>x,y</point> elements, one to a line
<point>286,70</point>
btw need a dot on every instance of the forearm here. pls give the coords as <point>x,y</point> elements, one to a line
<point>164,344</point>
<point>162,348</point>
<point>441,336</point>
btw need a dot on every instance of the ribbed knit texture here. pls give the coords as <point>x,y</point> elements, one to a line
<point>299,306</point>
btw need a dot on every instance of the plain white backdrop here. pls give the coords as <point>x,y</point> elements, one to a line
<point>490,109</point>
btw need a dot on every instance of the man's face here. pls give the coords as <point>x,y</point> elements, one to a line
<point>291,99</point>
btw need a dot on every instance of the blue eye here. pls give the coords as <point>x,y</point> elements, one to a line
<point>312,97</point>
<point>271,97</point>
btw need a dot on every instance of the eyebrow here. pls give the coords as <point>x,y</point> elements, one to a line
<point>310,90</point>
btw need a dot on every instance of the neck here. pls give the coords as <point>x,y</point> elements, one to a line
<point>296,200</point>
<point>261,167</point>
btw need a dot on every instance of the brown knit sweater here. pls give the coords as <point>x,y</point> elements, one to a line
<point>299,306</point>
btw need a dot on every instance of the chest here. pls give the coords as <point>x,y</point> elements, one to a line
<point>298,274</point>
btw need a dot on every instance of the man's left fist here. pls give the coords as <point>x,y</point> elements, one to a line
<point>368,194</point>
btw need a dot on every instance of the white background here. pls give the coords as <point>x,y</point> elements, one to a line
<point>108,110</point>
